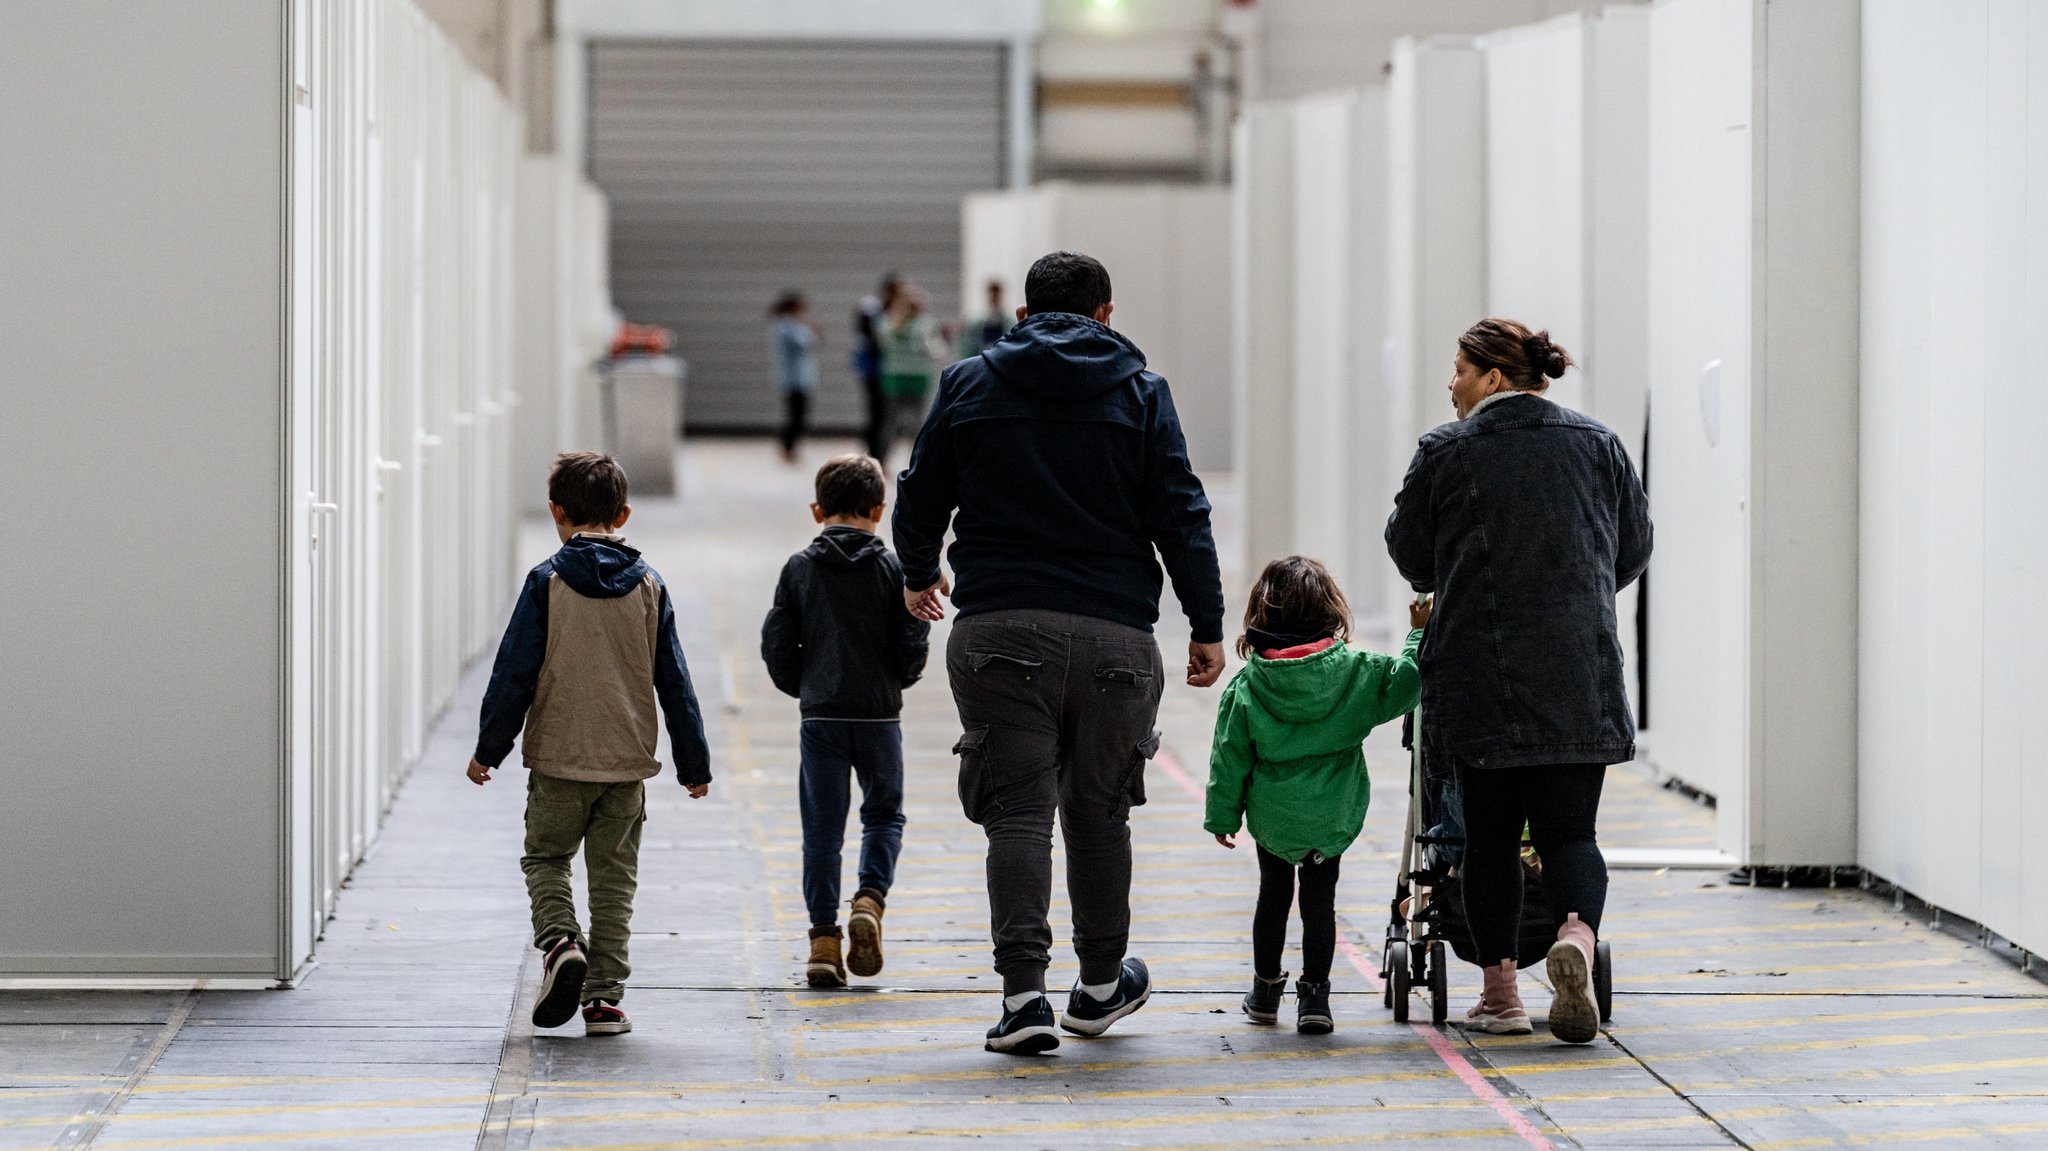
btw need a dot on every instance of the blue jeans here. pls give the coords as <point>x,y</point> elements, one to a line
<point>833,749</point>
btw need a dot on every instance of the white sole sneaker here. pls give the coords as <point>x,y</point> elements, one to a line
<point>1510,1023</point>
<point>1574,1014</point>
<point>619,1028</point>
<point>1098,1026</point>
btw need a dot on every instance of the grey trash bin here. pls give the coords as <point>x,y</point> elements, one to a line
<point>643,405</point>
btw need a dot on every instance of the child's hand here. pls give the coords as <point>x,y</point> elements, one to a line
<point>478,773</point>
<point>698,790</point>
<point>1418,612</point>
<point>1226,841</point>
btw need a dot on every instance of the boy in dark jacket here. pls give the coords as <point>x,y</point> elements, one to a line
<point>590,651</point>
<point>840,640</point>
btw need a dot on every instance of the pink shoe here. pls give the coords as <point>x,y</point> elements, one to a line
<point>1499,1010</point>
<point>1574,1013</point>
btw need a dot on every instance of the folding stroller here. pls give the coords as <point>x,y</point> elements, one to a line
<point>1428,909</point>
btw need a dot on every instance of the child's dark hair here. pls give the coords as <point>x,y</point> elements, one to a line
<point>787,304</point>
<point>850,485</point>
<point>1296,596</point>
<point>590,487</point>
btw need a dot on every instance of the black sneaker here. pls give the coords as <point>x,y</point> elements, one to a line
<point>1312,1008</point>
<point>1089,1016</point>
<point>561,983</point>
<point>1025,1031</point>
<point>1262,1002</point>
<point>603,1017</point>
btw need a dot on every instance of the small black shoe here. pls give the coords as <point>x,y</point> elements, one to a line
<point>561,983</point>
<point>1262,1002</point>
<point>1088,1016</point>
<point>1025,1031</point>
<point>1312,1008</point>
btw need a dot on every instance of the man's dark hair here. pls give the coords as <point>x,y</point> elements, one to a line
<point>589,487</point>
<point>850,485</point>
<point>1066,282</point>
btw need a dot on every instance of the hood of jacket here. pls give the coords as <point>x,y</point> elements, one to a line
<point>1063,358</point>
<point>1293,701</point>
<point>599,568</point>
<point>845,547</point>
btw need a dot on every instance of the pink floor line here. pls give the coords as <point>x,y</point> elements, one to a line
<point>1452,1058</point>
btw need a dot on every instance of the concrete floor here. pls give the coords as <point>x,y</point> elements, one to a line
<point>1743,1017</point>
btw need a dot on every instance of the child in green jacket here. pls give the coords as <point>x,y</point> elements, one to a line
<point>1287,760</point>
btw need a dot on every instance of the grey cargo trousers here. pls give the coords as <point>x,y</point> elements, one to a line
<point>1058,712</point>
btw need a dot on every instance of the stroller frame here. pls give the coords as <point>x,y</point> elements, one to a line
<point>1416,951</point>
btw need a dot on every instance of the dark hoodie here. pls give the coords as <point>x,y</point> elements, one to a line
<point>839,638</point>
<point>591,647</point>
<point>1065,460</point>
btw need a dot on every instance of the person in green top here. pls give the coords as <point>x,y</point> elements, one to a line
<point>1288,762</point>
<point>911,346</point>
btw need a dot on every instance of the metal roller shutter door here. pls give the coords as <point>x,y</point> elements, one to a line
<point>738,169</point>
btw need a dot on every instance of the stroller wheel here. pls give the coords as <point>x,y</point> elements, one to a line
<point>1439,984</point>
<point>1387,976</point>
<point>1603,980</point>
<point>1397,979</point>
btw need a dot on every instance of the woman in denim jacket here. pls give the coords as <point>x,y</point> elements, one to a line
<point>1524,518</point>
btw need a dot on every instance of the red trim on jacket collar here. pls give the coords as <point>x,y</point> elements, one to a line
<point>1298,651</point>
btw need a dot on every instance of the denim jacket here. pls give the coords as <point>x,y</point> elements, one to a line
<point>1525,519</point>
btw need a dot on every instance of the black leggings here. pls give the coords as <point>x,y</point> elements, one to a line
<point>1318,915</point>
<point>1559,803</point>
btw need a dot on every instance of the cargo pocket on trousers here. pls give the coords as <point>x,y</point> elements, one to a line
<point>1133,792</point>
<point>977,790</point>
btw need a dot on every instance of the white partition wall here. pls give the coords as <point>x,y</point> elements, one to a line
<point>1436,237</point>
<point>1167,249</point>
<point>1954,735</point>
<point>1263,276</point>
<point>1325,510</point>
<point>1752,340</point>
<point>141,331</point>
<point>286,479</point>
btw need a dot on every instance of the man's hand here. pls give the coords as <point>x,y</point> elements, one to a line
<point>1226,841</point>
<point>698,790</point>
<point>1418,612</point>
<point>1205,663</point>
<point>478,773</point>
<point>925,604</point>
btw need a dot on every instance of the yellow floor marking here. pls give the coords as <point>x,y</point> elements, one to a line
<point>1923,1135</point>
<point>129,1117</point>
<point>1839,1042</point>
<point>1800,1020</point>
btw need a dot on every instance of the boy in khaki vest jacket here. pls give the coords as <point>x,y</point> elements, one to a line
<point>590,649</point>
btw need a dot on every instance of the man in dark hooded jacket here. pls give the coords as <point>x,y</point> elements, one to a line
<point>1059,463</point>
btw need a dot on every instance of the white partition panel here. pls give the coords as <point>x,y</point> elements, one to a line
<point>1324,511</point>
<point>1368,449</point>
<point>1752,340</point>
<point>334,400</point>
<point>1263,274</point>
<point>1699,307</point>
<point>1436,238</point>
<point>143,174</point>
<point>1954,739</point>
<point>1536,219</point>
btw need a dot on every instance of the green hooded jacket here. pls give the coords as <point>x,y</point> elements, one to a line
<point>1287,757</point>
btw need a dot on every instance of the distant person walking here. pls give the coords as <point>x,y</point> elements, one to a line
<point>1064,461</point>
<point>981,333</point>
<point>1524,518</point>
<point>867,358</point>
<point>911,348</point>
<point>795,344</point>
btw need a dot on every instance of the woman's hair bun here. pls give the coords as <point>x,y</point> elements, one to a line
<point>1546,357</point>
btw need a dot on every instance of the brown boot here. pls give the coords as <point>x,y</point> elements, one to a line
<point>825,969</point>
<point>864,934</point>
